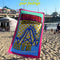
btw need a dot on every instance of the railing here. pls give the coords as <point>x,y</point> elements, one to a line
<point>10,15</point>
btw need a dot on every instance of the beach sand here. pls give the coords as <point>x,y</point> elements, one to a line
<point>50,49</point>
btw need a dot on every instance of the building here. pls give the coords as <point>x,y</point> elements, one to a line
<point>5,9</point>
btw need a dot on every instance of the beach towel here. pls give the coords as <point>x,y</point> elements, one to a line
<point>28,34</point>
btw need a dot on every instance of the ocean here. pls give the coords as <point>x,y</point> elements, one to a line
<point>52,25</point>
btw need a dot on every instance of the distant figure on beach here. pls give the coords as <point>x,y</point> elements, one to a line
<point>58,28</point>
<point>45,28</point>
<point>3,29</point>
<point>0,29</point>
<point>7,28</point>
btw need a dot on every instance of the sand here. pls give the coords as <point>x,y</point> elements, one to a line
<point>50,49</point>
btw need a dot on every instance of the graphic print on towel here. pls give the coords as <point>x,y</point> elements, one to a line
<point>27,37</point>
<point>28,34</point>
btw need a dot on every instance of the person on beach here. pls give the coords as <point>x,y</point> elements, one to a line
<point>58,28</point>
<point>45,28</point>
<point>0,29</point>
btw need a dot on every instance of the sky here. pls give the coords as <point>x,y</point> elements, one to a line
<point>46,6</point>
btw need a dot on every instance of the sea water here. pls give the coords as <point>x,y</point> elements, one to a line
<point>52,25</point>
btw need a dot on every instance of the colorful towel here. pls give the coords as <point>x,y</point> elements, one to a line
<point>28,35</point>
